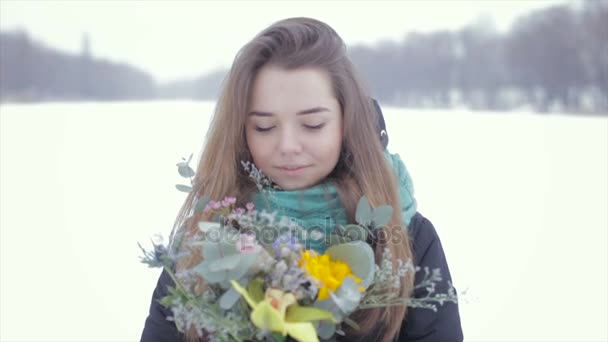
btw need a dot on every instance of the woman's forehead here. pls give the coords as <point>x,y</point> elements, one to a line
<point>300,91</point>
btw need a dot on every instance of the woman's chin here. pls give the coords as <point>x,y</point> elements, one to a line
<point>295,184</point>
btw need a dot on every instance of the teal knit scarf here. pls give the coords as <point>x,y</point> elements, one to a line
<point>318,209</point>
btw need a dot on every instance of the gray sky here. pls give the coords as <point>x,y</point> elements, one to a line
<point>183,39</point>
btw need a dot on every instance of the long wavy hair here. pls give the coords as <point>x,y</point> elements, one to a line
<point>362,169</point>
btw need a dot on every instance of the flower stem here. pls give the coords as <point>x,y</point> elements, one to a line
<point>178,284</point>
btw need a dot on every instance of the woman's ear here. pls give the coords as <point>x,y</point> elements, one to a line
<point>381,125</point>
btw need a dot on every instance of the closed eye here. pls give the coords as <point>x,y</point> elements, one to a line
<point>315,127</point>
<point>263,129</point>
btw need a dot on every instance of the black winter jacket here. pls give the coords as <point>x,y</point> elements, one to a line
<point>420,325</point>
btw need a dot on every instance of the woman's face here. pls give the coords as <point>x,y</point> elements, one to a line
<point>294,126</point>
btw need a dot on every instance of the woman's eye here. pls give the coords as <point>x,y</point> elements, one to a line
<point>314,127</point>
<point>263,129</point>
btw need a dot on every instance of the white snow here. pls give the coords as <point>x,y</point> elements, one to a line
<point>519,200</point>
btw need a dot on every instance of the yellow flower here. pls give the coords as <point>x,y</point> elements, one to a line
<point>329,273</point>
<point>279,311</point>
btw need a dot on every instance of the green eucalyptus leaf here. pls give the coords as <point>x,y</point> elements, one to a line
<point>340,230</point>
<point>363,215</point>
<point>229,298</point>
<point>359,256</point>
<point>185,171</point>
<point>330,305</point>
<point>356,232</point>
<point>183,188</point>
<point>182,164</point>
<point>326,330</point>
<point>209,276</point>
<point>206,226</point>
<point>340,304</point>
<point>336,239</point>
<point>226,263</point>
<point>347,296</point>
<point>200,204</point>
<point>245,264</point>
<point>213,250</point>
<point>382,215</point>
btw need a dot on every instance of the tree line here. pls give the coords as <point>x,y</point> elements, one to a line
<point>552,59</point>
<point>31,71</point>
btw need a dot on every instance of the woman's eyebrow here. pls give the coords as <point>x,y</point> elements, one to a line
<point>313,110</point>
<point>255,113</point>
<point>302,112</point>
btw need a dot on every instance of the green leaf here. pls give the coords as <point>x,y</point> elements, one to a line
<point>243,293</point>
<point>356,232</point>
<point>166,301</point>
<point>382,215</point>
<point>190,158</point>
<point>226,263</point>
<point>222,261</point>
<point>351,323</point>
<point>183,188</point>
<point>340,230</point>
<point>256,290</point>
<point>200,204</point>
<point>277,337</point>
<point>347,296</point>
<point>244,266</point>
<point>213,251</point>
<point>185,171</point>
<point>209,276</point>
<point>229,298</point>
<point>296,313</point>
<point>206,226</point>
<point>326,330</point>
<point>363,215</point>
<point>335,239</point>
<point>359,256</point>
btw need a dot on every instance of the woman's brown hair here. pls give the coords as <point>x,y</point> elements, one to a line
<point>361,171</point>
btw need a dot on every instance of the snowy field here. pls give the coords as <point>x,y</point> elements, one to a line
<point>519,200</point>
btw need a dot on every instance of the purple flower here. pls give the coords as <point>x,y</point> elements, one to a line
<point>287,240</point>
<point>250,206</point>
<point>276,245</point>
<point>293,241</point>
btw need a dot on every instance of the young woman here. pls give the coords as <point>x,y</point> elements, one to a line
<point>294,106</point>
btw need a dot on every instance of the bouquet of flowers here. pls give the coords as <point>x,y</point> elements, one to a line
<point>263,284</point>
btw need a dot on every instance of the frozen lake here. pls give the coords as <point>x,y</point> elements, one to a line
<point>519,200</point>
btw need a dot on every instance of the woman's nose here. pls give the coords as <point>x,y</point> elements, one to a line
<point>289,142</point>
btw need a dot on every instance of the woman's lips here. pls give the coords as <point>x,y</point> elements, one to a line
<point>293,170</point>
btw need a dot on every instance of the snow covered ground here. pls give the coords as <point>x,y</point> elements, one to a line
<point>519,200</point>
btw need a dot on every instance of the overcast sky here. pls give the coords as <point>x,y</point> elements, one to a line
<point>183,39</point>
